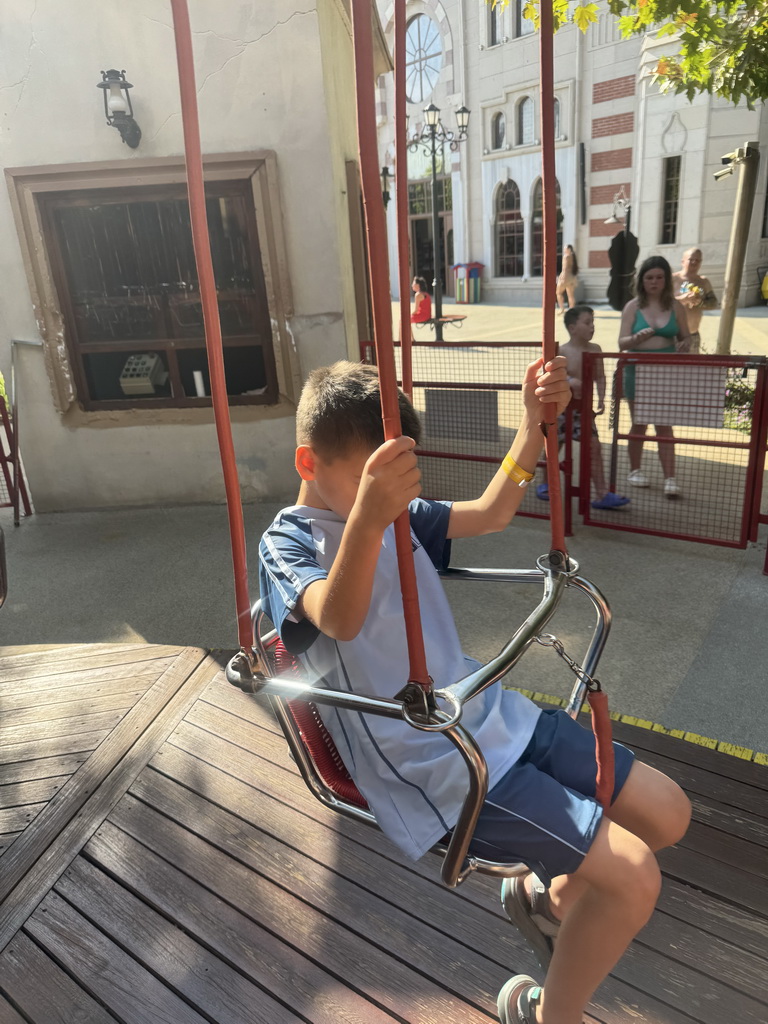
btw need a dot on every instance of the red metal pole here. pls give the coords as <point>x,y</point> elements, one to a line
<point>401,200</point>
<point>204,262</point>
<point>381,302</point>
<point>549,214</point>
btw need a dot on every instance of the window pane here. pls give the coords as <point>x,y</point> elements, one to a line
<point>525,122</point>
<point>244,370</point>
<point>117,376</point>
<point>671,198</point>
<point>423,57</point>
<point>509,232</point>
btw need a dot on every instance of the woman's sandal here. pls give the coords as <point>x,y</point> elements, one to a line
<point>517,1000</point>
<point>532,917</point>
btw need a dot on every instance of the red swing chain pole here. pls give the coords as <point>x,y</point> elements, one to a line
<point>598,702</point>
<point>204,262</point>
<point>559,554</point>
<point>401,200</point>
<point>376,237</point>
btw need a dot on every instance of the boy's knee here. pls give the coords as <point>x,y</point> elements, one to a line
<point>678,814</point>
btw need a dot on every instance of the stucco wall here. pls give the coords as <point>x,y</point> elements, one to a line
<point>251,97</point>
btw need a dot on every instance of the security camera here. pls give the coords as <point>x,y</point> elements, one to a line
<point>717,175</point>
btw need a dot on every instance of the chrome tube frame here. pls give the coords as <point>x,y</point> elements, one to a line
<point>458,863</point>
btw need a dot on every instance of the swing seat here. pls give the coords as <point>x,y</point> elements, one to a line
<point>295,703</point>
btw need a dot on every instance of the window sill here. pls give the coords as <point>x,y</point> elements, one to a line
<point>78,417</point>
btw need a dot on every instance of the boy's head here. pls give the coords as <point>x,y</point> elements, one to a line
<point>580,323</point>
<point>338,426</point>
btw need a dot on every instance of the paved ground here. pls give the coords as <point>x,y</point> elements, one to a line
<point>687,649</point>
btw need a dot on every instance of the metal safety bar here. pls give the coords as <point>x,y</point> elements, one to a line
<point>457,863</point>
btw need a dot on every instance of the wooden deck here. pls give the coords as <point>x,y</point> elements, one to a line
<point>162,862</point>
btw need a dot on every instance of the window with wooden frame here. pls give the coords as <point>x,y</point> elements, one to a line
<point>123,265</point>
<point>670,200</point>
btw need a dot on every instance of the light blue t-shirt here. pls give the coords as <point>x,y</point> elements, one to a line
<point>414,782</point>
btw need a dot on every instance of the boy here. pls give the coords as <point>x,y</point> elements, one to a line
<point>329,582</point>
<point>580,323</point>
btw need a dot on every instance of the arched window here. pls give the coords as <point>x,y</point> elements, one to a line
<point>537,229</point>
<point>498,130</point>
<point>423,57</point>
<point>557,118</point>
<point>509,231</point>
<point>525,122</point>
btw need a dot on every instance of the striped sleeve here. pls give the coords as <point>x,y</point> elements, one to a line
<point>287,565</point>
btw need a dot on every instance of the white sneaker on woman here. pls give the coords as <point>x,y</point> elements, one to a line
<point>637,478</point>
<point>671,488</point>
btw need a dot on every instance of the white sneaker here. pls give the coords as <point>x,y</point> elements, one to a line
<point>671,488</point>
<point>637,479</point>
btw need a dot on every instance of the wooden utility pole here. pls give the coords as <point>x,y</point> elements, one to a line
<point>747,159</point>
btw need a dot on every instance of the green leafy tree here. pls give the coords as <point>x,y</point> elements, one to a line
<point>720,47</point>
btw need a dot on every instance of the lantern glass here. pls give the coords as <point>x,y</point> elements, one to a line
<point>432,115</point>
<point>462,118</point>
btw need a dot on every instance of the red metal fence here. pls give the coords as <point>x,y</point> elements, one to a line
<point>13,489</point>
<point>707,414</point>
<point>469,399</point>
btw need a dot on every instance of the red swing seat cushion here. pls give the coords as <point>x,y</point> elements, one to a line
<point>316,739</point>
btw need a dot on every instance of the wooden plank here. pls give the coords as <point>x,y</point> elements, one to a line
<point>184,960</point>
<point>716,878</point>
<point>396,983</point>
<point>35,791</point>
<point>8,1015</point>
<point>694,754</point>
<point>35,693</point>
<point>730,820</point>
<point>6,839</point>
<point>60,708</point>
<point>41,768</point>
<point>55,746</point>
<point>728,848</point>
<point>712,916</point>
<point>106,972</point>
<point>16,819</point>
<point>287,973</point>
<point>42,990</point>
<point>76,657</point>
<point>368,914</point>
<point>42,852</point>
<point>43,730</point>
<point>689,950</point>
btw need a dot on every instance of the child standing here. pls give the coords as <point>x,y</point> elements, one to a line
<point>329,582</point>
<point>580,323</point>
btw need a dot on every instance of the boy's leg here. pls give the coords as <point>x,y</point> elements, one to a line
<point>651,807</point>
<point>598,473</point>
<point>619,881</point>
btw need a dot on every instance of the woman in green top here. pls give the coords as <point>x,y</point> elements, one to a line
<point>654,321</point>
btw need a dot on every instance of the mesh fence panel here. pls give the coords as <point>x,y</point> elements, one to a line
<point>710,408</point>
<point>469,399</point>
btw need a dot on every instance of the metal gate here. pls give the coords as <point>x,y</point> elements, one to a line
<point>717,409</point>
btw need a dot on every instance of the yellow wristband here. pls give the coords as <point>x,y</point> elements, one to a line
<point>515,473</point>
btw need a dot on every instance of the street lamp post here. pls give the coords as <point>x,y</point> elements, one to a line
<point>432,135</point>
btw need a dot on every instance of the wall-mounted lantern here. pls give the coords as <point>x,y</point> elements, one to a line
<point>118,107</point>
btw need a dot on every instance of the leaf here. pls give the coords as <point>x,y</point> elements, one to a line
<point>585,15</point>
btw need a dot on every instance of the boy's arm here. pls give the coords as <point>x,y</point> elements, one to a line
<point>338,605</point>
<point>494,509</point>
<point>709,301</point>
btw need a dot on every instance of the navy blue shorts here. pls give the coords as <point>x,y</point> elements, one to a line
<point>543,812</point>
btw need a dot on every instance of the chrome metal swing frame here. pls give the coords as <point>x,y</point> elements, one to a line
<point>458,863</point>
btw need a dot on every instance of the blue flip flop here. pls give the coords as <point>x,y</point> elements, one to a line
<point>542,492</point>
<point>611,501</point>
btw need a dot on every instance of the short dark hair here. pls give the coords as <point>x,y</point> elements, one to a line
<point>573,313</point>
<point>667,297</point>
<point>339,411</point>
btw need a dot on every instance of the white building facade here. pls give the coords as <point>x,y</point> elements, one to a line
<point>616,136</point>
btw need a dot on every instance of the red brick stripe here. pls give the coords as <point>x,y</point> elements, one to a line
<point>613,89</point>
<point>614,125</point>
<point>605,193</point>
<point>612,159</point>
<point>599,259</point>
